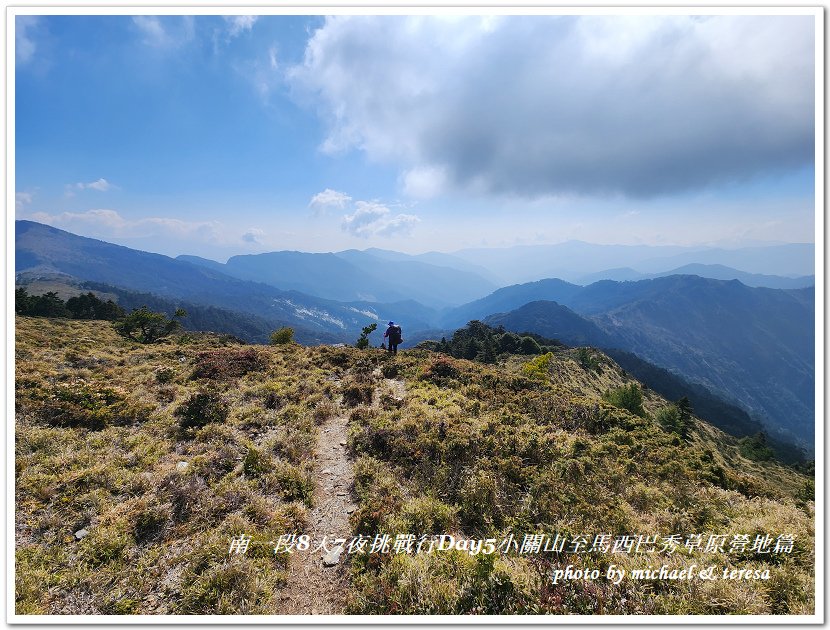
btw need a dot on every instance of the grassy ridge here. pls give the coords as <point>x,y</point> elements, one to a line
<point>164,452</point>
<point>486,452</point>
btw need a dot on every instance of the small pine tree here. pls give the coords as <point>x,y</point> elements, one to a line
<point>282,336</point>
<point>673,419</point>
<point>22,301</point>
<point>488,351</point>
<point>444,346</point>
<point>363,340</point>
<point>146,326</point>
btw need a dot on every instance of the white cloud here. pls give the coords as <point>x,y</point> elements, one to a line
<point>151,28</point>
<point>374,219</point>
<point>253,236</point>
<point>548,105</point>
<point>261,71</point>
<point>22,199</point>
<point>24,42</point>
<point>165,31</point>
<point>107,223</point>
<point>101,185</point>
<point>425,182</point>
<point>238,24</point>
<point>329,198</point>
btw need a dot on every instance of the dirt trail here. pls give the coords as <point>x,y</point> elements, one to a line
<point>312,588</point>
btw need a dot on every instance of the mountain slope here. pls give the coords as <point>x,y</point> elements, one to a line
<point>436,285</point>
<point>136,466</point>
<point>42,247</point>
<point>722,272</point>
<point>553,321</point>
<point>754,346</point>
<point>510,298</point>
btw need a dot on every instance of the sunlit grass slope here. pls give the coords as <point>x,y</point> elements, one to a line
<point>135,464</point>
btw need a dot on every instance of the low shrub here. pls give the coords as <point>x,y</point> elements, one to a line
<point>227,363</point>
<point>440,371</point>
<point>202,408</point>
<point>79,403</point>
<point>356,393</point>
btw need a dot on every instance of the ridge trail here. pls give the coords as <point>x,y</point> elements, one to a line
<point>313,588</point>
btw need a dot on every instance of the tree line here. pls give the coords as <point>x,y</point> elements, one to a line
<point>85,306</point>
<point>141,325</point>
<point>479,342</point>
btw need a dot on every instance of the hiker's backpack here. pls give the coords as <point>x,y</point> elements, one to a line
<point>396,335</point>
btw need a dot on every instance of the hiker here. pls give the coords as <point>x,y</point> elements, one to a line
<point>394,334</point>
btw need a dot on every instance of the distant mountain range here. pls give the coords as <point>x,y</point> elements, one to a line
<point>42,248</point>
<point>753,346</point>
<point>373,276</point>
<point>716,272</point>
<point>574,260</point>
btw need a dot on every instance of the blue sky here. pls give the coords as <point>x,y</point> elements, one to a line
<point>216,136</point>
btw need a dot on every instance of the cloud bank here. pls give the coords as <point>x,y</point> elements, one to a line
<point>329,198</point>
<point>594,105</point>
<point>374,219</point>
<point>106,223</point>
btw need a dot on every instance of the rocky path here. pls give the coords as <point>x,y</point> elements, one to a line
<point>317,579</point>
<point>313,588</point>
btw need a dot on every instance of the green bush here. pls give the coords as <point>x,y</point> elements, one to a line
<point>755,448</point>
<point>426,515</point>
<point>290,482</point>
<point>672,419</point>
<point>440,370</point>
<point>538,368</point>
<point>79,403</point>
<point>629,397</point>
<point>202,408</point>
<point>282,336</point>
<point>255,462</point>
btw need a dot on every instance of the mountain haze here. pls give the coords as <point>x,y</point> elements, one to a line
<point>715,272</point>
<point>573,260</point>
<point>372,276</point>
<point>40,247</point>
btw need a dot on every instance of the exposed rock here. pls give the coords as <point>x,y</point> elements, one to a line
<point>332,557</point>
<point>182,466</point>
<point>81,534</point>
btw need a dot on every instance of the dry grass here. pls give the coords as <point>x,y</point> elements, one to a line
<point>101,445</point>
